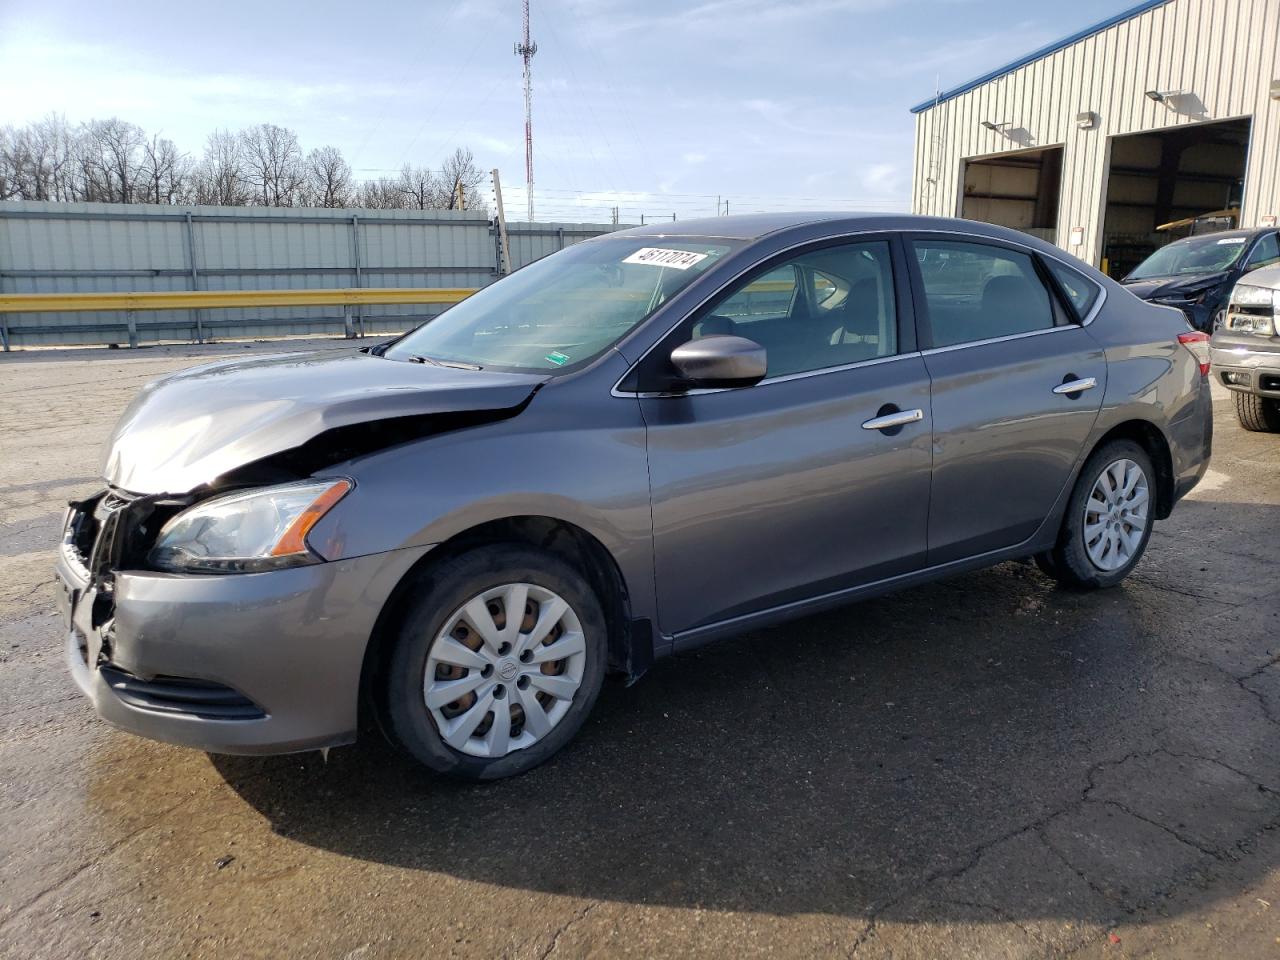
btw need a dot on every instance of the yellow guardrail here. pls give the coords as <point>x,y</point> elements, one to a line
<point>346,297</point>
<point>210,299</point>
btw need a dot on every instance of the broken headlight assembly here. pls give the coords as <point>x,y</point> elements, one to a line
<point>1254,310</point>
<point>248,531</point>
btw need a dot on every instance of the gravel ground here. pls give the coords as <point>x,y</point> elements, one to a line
<point>984,767</point>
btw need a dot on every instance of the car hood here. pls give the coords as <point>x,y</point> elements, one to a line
<point>190,428</point>
<point>1174,288</point>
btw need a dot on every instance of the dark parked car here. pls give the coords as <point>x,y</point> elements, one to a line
<point>1246,350</point>
<point>640,444</point>
<point>1196,274</point>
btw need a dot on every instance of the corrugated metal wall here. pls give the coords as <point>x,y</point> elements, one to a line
<point>100,247</point>
<point>1222,53</point>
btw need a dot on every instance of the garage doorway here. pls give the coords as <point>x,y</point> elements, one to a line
<point>1187,179</point>
<point>1019,190</point>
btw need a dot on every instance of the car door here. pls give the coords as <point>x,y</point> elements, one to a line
<point>1017,385</point>
<point>770,494</point>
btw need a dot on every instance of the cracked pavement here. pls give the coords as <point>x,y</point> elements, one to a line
<point>984,767</point>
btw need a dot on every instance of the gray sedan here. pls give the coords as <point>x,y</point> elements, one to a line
<point>638,445</point>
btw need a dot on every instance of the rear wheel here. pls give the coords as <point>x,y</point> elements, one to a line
<point>1108,520</point>
<point>498,662</point>
<point>1257,413</point>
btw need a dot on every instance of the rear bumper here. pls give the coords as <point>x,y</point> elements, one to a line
<point>1247,364</point>
<point>245,663</point>
<point>1191,441</point>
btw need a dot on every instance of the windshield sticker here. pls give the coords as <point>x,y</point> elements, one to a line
<point>663,257</point>
<point>558,358</point>
<point>1232,240</point>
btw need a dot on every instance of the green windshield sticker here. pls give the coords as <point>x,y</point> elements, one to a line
<point>558,358</point>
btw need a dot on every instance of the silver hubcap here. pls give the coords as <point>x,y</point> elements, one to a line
<point>504,670</point>
<point>1115,515</point>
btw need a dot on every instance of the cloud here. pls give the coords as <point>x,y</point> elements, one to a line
<point>723,15</point>
<point>493,144</point>
<point>882,179</point>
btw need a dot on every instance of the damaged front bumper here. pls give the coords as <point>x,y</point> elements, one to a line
<point>237,663</point>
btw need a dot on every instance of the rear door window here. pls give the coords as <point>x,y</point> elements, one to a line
<point>975,291</point>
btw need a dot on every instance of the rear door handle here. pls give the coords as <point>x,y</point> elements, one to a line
<point>1076,386</point>
<point>899,418</point>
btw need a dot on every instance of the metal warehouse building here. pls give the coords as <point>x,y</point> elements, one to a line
<point>1167,111</point>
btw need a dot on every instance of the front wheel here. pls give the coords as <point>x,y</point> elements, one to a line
<point>1108,520</point>
<point>498,661</point>
<point>1256,413</point>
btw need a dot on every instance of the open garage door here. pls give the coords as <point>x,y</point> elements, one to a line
<point>1019,190</point>
<point>1173,175</point>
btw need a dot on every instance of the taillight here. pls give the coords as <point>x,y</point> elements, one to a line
<point>1198,344</point>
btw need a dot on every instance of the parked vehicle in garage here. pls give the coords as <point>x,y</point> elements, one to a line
<point>640,444</point>
<point>1196,274</point>
<point>1246,350</point>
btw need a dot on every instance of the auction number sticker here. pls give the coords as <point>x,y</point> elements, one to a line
<point>665,257</point>
<point>1232,240</point>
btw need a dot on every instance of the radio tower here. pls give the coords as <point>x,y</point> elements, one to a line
<point>525,50</point>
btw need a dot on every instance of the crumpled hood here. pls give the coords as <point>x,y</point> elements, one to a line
<point>190,428</point>
<point>1173,288</point>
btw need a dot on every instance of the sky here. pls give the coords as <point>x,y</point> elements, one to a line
<point>657,106</point>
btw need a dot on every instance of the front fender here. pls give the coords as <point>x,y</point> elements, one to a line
<point>581,463</point>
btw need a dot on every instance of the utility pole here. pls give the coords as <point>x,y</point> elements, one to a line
<point>504,248</point>
<point>525,50</point>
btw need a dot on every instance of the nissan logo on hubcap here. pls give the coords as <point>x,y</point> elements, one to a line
<point>507,669</point>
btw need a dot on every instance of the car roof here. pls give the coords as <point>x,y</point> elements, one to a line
<point>749,226</point>
<point>755,226</point>
<point>1242,232</point>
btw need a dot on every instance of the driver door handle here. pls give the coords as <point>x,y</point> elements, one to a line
<point>890,420</point>
<point>1076,386</point>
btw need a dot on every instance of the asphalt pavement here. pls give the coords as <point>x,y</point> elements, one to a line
<point>988,766</point>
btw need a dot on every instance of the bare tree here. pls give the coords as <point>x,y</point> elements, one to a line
<point>36,162</point>
<point>419,188</point>
<point>273,162</point>
<point>220,177</point>
<point>59,143</point>
<point>459,178</point>
<point>8,172</point>
<point>115,161</point>
<point>110,160</point>
<point>164,173</point>
<point>327,178</point>
<point>380,194</point>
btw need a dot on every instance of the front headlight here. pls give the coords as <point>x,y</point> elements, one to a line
<point>262,529</point>
<point>1259,311</point>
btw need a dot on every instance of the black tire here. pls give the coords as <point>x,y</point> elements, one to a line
<point>1069,562</point>
<point>442,590</point>
<point>1257,413</point>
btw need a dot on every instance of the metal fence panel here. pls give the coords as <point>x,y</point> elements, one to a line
<point>99,247</point>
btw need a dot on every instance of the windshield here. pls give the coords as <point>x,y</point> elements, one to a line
<point>1211,254</point>
<point>564,310</point>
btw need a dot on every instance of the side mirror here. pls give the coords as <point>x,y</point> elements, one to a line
<point>720,361</point>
